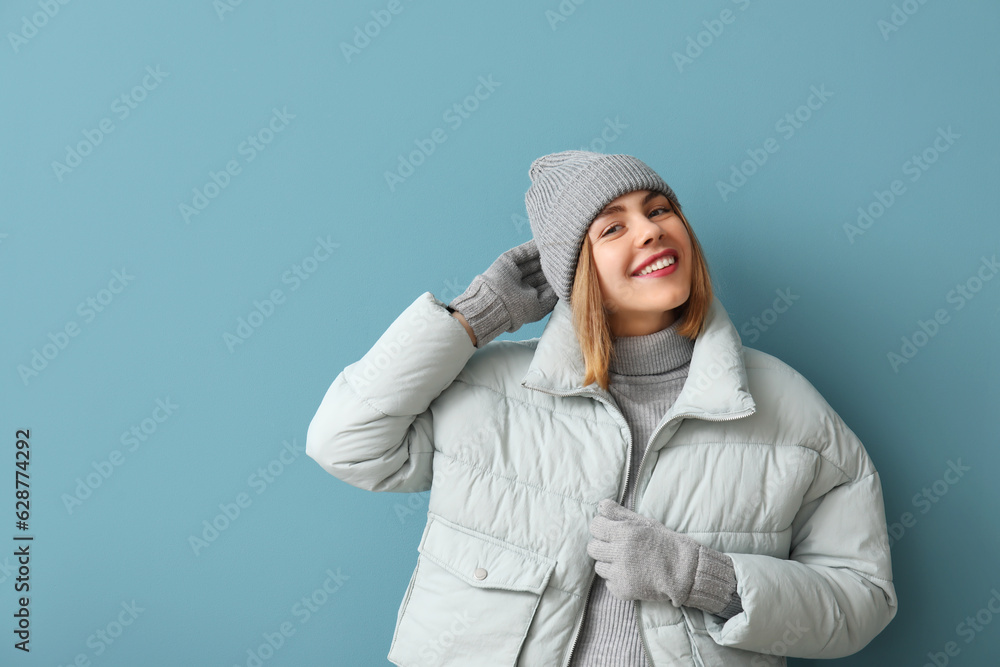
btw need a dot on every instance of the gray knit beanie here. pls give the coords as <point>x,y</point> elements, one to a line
<point>567,190</point>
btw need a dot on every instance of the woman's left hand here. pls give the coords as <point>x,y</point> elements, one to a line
<point>641,559</point>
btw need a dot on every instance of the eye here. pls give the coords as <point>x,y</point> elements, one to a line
<point>665,209</point>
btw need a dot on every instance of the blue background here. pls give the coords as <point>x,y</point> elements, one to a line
<point>599,76</point>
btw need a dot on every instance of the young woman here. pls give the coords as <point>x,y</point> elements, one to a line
<point>633,487</point>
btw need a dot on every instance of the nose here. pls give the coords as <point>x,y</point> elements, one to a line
<point>647,230</point>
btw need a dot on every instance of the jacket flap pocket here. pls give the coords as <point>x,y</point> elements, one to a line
<point>484,561</point>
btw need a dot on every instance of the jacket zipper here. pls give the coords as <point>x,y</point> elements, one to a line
<point>635,497</point>
<point>638,473</point>
<point>628,470</point>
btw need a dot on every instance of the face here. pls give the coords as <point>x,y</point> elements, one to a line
<point>628,232</point>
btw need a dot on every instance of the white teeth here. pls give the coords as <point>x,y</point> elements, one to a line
<point>656,266</point>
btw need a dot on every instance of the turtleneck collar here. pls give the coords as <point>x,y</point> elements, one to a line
<point>652,354</point>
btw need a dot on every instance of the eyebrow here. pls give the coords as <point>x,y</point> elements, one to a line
<point>618,208</point>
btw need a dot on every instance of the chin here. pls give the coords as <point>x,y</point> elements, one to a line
<point>671,303</point>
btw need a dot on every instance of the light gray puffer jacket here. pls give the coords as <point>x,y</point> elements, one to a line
<point>750,460</point>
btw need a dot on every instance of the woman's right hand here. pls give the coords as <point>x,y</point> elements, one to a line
<point>509,294</point>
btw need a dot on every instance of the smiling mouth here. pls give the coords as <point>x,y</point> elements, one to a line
<point>665,267</point>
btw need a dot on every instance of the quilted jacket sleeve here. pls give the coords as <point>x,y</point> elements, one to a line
<point>373,428</point>
<point>834,593</point>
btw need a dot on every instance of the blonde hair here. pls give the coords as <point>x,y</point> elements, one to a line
<point>590,313</point>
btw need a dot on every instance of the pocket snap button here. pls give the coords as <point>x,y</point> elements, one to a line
<point>479,574</point>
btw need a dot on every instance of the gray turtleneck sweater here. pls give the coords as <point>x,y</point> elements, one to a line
<point>646,376</point>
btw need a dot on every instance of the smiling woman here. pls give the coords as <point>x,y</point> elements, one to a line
<point>611,302</point>
<point>631,288</point>
<point>634,486</point>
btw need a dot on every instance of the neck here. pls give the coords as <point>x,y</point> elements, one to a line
<point>641,325</point>
<point>651,354</point>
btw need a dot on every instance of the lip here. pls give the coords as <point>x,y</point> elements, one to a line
<point>658,256</point>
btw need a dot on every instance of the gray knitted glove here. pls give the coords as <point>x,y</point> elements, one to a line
<point>642,559</point>
<point>509,294</point>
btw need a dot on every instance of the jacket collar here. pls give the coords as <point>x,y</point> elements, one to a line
<point>716,386</point>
